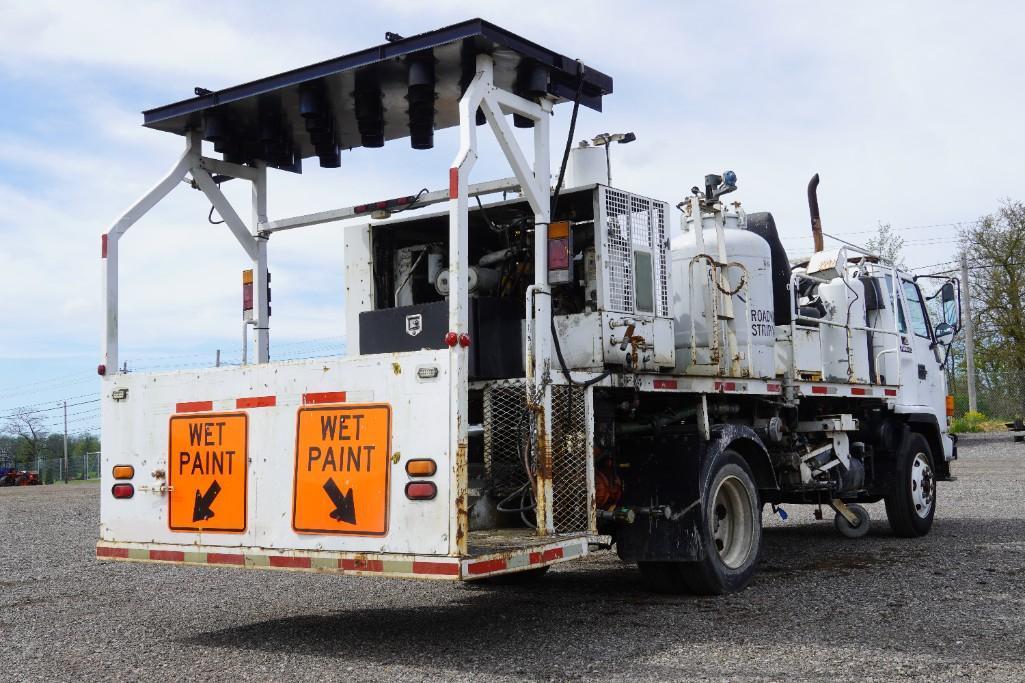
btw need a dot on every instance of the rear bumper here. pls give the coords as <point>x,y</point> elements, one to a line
<point>557,550</point>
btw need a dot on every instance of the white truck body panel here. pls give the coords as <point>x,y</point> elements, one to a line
<point>135,432</point>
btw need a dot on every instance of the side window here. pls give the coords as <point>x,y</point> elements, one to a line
<point>902,325</point>
<point>916,309</point>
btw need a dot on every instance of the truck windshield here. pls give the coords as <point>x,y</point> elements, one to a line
<point>916,309</point>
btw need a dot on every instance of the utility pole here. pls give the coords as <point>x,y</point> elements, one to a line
<point>65,442</point>
<point>969,329</point>
<point>217,362</point>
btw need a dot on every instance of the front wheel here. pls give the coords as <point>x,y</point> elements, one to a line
<point>911,505</point>
<point>731,534</point>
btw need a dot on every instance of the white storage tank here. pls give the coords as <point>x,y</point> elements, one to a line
<point>844,352</point>
<point>700,306</point>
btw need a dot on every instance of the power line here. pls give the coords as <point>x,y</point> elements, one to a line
<point>59,406</point>
<point>53,380</point>
<point>916,227</point>
<point>46,403</point>
<point>42,388</point>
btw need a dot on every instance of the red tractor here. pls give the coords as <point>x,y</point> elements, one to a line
<point>14,477</point>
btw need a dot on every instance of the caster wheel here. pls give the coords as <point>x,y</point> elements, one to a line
<point>845,528</point>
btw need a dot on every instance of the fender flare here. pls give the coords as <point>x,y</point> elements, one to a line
<point>746,442</point>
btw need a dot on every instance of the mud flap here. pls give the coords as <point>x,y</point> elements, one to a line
<point>676,490</point>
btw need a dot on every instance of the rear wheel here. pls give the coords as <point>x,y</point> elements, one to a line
<point>911,505</point>
<point>731,534</point>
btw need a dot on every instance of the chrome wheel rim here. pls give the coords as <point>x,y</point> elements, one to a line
<point>922,492</point>
<point>732,526</point>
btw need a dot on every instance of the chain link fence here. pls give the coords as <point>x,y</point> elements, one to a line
<point>999,397</point>
<point>82,467</point>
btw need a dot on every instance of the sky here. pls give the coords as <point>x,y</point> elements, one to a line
<point>905,110</point>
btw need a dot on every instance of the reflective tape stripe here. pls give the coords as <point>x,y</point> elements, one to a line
<point>194,406</point>
<point>486,566</point>
<point>256,402</point>
<point>361,565</point>
<point>103,551</point>
<point>453,182</point>
<point>439,568</point>
<point>324,397</point>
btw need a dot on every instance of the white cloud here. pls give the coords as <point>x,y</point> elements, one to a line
<point>905,110</point>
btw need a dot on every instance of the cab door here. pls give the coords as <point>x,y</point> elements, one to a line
<point>920,369</point>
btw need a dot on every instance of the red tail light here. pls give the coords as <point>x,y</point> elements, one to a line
<point>123,490</point>
<point>421,490</point>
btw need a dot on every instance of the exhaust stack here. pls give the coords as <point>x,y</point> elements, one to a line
<point>813,208</point>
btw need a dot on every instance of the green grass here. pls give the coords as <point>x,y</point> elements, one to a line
<point>974,422</point>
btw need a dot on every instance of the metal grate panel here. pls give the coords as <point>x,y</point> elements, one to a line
<point>570,499</point>
<point>631,222</point>
<point>640,221</point>
<point>618,264</point>
<point>660,211</point>
<point>506,433</point>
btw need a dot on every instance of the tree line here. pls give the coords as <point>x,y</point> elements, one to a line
<point>994,247</point>
<point>24,439</point>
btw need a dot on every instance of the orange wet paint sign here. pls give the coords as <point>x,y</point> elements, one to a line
<point>207,472</point>
<point>342,463</point>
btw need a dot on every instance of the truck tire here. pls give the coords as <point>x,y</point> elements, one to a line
<point>731,533</point>
<point>912,504</point>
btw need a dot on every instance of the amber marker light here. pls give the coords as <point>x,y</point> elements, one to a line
<point>421,468</point>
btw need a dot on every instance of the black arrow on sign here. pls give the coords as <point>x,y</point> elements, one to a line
<point>201,510</point>
<point>345,508</point>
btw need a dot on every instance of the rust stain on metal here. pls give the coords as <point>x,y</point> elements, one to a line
<point>396,456</point>
<point>396,368</point>
<point>462,502</point>
<point>544,452</point>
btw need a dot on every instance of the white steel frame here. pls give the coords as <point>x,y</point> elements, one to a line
<point>194,164</point>
<point>533,180</point>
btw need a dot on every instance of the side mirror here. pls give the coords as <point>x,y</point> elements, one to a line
<point>943,332</point>
<point>951,311</point>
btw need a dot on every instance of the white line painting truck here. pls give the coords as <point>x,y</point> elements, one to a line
<point>529,378</point>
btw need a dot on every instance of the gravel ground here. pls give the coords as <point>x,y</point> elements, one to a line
<point>948,606</point>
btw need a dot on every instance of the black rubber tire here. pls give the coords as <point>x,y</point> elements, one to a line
<point>711,576</point>
<point>900,504</point>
